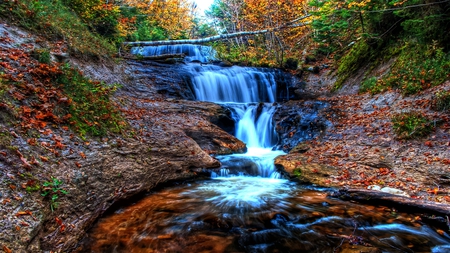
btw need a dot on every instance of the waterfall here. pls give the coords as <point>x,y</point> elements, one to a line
<point>232,84</point>
<point>249,93</point>
<point>192,52</point>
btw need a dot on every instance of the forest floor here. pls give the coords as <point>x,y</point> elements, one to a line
<point>360,150</point>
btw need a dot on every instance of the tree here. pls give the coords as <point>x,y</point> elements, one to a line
<point>270,48</point>
<point>174,17</point>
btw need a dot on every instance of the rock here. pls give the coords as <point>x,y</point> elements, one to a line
<point>347,248</point>
<point>297,166</point>
<point>296,122</point>
<point>387,190</point>
<point>394,191</point>
<point>300,148</point>
<point>376,160</point>
<point>374,187</point>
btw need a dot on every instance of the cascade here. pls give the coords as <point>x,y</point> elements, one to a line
<point>249,93</point>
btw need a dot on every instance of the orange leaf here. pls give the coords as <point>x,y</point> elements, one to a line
<point>31,141</point>
<point>21,213</point>
<point>78,164</point>
<point>6,249</point>
<point>82,155</point>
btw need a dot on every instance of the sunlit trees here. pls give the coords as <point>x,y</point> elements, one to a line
<point>271,48</point>
<point>173,17</point>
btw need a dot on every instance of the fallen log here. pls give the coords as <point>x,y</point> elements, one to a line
<point>400,202</point>
<point>291,24</point>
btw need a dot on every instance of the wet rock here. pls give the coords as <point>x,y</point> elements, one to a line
<point>299,121</point>
<point>388,190</point>
<point>298,167</point>
<point>348,248</point>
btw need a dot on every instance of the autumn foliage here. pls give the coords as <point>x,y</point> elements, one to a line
<point>54,94</point>
<point>283,19</point>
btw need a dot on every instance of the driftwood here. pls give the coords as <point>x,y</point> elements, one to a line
<point>217,37</point>
<point>156,57</point>
<point>406,203</point>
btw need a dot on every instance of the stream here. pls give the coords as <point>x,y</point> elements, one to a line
<point>247,205</point>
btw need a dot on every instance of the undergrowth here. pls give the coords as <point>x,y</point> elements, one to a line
<point>442,101</point>
<point>416,68</point>
<point>408,125</point>
<point>55,20</point>
<point>91,110</point>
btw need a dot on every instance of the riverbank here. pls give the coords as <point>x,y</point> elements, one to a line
<point>360,150</point>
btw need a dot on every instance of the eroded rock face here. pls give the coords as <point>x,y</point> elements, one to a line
<point>114,171</point>
<point>299,121</point>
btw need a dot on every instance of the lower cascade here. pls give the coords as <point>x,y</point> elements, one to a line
<point>247,206</point>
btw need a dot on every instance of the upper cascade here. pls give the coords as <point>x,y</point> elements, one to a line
<point>192,52</point>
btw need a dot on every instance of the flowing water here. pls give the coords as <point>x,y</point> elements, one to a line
<point>247,206</point>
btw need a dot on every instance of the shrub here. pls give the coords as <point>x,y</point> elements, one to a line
<point>409,125</point>
<point>442,100</point>
<point>52,189</point>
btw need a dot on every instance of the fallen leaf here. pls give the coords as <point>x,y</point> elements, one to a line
<point>6,249</point>
<point>21,213</point>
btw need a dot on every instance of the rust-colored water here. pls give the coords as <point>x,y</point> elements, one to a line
<point>258,215</point>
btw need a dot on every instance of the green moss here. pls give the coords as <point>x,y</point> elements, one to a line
<point>5,139</point>
<point>297,172</point>
<point>352,61</point>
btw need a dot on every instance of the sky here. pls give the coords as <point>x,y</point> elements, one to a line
<point>203,5</point>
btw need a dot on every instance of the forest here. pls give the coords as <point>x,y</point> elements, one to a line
<point>360,113</point>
